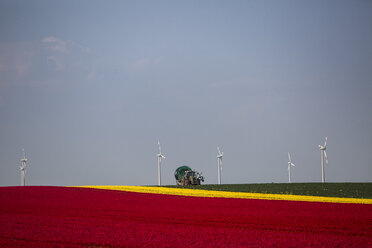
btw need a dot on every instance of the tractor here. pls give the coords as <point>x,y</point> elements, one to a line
<point>186,176</point>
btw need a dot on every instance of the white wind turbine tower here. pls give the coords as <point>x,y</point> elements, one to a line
<point>160,157</point>
<point>23,167</point>
<point>289,167</point>
<point>323,155</point>
<point>219,164</point>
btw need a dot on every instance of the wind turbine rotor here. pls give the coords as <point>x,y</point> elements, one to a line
<point>160,157</point>
<point>219,164</point>
<point>219,151</point>
<point>24,159</point>
<point>324,146</point>
<point>22,167</point>
<point>323,156</point>
<point>220,154</point>
<point>290,160</point>
<point>289,167</point>
<point>159,147</point>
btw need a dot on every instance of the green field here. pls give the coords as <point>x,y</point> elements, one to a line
<point>353,190</point>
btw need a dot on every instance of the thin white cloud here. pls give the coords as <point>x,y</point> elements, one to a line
<point>21,69</point>
<point>50,39</point>
<point>92,75</point>
<point>17,59</point>
<point>56,45</point>
<point>144,63</point>
<point>158,60</point>
<point>50,59</point>
<point>141,64</point>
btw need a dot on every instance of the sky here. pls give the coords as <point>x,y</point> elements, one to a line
<point>88,88</point>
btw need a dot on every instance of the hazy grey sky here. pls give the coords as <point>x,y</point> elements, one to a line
<point>88,88</point>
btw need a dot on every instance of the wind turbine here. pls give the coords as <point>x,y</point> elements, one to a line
<point>160,157</point>
<point>219,164</point>
<point>323,155</point>
<point>23,167</point>
<point>289,167</point>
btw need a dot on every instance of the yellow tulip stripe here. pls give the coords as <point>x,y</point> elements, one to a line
<point>225,194</point>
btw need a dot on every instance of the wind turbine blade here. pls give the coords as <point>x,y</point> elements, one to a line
<point>326,158</point>
<point>292,164</point>
<point>289,157</point>
<point>325,142</point>
<point>23,153</point>
<point>218,149</point>
<point>159,147</point>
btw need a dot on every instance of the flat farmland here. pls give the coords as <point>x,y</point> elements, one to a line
<point>74,217</point>
<point>352,190</point>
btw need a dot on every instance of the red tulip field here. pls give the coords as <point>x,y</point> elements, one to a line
<point>78,217</point>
